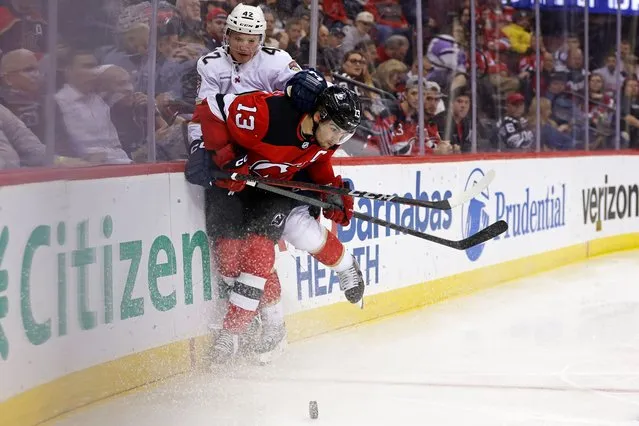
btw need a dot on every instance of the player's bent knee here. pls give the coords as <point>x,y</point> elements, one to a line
<point>303,231</point>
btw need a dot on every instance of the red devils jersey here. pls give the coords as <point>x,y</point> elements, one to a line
<point>268,128</point>
<point>403,132</point>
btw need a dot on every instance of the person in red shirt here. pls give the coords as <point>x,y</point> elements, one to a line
<point>401,120</point>
<point>263,134</point>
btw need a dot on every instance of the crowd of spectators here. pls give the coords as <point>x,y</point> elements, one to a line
<point>102,71</point>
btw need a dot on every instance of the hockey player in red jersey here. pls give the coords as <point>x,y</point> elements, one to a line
<point>264,134</point>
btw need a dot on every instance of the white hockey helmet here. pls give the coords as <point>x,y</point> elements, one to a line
<point>246,19</point>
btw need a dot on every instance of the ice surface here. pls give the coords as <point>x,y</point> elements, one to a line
<point>559,348</point>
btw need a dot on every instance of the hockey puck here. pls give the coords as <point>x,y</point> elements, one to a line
<point>312,409</point>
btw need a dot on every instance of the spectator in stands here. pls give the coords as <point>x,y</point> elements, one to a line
<point>629,60</point>
<point>553,137</point>
<point>562,104</point>
<point>609,73</point>
<point>434,120</point>
<point>630,112</point>
<point>303,13</point>
<point>414,71</point>
<point>560,57</point>
<point>461,27</point>
<point>304,18</point>
<point>518,32</point>
<point>173,60</point>
<point>270,40</point>
<point>576,72</point>
<point>333,54</point>
<point>354,68</point>
<point>18,145</point>
<point>189,19</point>
<point>86,117</point>
<point>601,106</point>
<point>327,59</point>
<point>390,76</point>
<point>129,115</point>
<point>395,47</point>
<point>22,26</point>
<point>389,18</point>
<point>368,48</point>
<point>401,118</point>
<point>513,130</point>
<point>336,12</point>
<point>132,44</point>
<point>359,32</point>
<point>449,63</point>
<point>527,70</point>
<point>215,22</point>
<point>293,35</point>
<point>458,129</point>
<point>20,89</point>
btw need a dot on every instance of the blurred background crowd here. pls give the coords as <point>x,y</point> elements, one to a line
<point>103,82</point>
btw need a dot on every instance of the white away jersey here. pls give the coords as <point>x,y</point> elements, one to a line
<point>268,70</point>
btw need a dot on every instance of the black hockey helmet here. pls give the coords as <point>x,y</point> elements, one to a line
<point>340,105</point>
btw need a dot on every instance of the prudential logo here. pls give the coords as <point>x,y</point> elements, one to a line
<point>475,217</point>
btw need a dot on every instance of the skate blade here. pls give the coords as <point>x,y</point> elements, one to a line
<point>268,357</point>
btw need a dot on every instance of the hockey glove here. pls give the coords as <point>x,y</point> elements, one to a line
<point>304,88</point>
<point>198,166</point>
<point>343,210</point>
<point>239,165</point>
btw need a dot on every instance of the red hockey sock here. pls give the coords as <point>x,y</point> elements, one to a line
<point>272,290</point>
<point>227,252</point>
<point>332,251</point>
<point>256,257</point>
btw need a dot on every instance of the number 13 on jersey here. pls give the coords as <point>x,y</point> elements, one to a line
<point>245,123</point>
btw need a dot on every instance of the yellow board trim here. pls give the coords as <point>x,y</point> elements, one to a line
<point>46,402</point>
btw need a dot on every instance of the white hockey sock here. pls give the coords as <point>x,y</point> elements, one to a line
<point>345,262</point>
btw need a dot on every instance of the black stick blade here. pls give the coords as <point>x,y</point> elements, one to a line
<point>484,235</point>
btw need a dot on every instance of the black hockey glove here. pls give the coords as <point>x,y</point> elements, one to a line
<point>304,88</point>
<point>198,166</point>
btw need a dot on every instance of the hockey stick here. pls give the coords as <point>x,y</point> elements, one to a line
<point>480,237</point>
<point>454,201</point>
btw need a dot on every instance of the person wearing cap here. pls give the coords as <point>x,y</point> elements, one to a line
<point>512,130</point>
<point>364,22</point>
<point>215,22</point>
<point>402,119</point>
<point>563,107</point>
<point>336,36</point>
<point>434,120</point>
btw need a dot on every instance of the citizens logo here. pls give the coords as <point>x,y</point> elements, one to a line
<point>475,218</point>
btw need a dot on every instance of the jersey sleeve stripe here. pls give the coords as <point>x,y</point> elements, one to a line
<point>219,98</point>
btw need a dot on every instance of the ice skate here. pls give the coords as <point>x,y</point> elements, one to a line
<point>225,347</point>
<point>271,344</point>
<point>351,282</point>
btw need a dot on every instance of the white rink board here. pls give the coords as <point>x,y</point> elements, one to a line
<point>405,260</point>
<point>162,208</point>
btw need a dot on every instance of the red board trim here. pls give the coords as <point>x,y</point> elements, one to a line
<point>35,175</point>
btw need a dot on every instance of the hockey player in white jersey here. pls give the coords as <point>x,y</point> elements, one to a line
<point>243,64</point>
